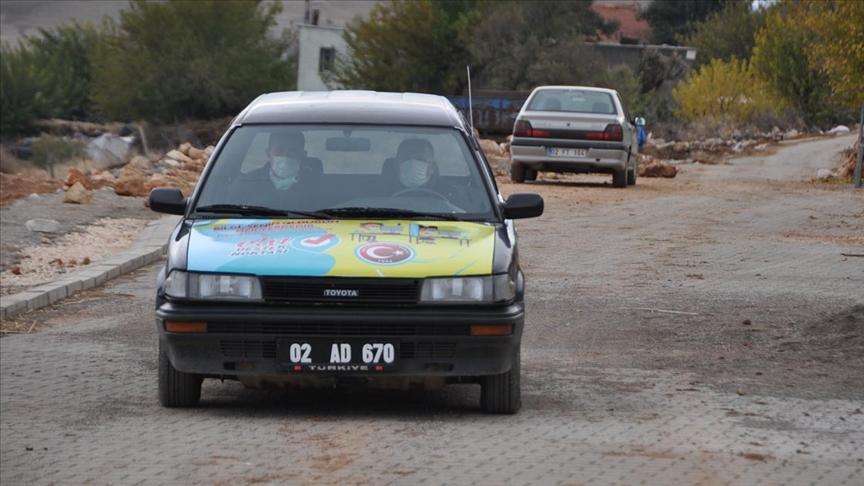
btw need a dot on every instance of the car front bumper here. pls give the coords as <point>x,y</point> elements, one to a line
<point>433,341</point>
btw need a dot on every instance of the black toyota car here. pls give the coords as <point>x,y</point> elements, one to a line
<point>344,237</point>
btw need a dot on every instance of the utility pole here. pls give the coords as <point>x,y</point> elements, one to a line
<point>860,151</point>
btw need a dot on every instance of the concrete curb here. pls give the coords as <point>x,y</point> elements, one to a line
<point>149,246</point>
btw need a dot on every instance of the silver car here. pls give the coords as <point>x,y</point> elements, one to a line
<point>574,129</point>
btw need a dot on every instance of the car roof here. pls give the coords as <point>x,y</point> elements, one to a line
<point>367,107</point>
<point>586,88</point>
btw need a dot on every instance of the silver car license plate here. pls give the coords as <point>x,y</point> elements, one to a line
<point>566,152</point>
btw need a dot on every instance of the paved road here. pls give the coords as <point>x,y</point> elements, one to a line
<point>705,337</point>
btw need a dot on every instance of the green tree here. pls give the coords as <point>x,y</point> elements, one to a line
<point>178,59</point>
<point>406,46</point>
<point>837,49</point>
<point>18,90</point>
<point>780,58</point>
<point>46,75</point>
<point>672,20</point>
<point>518,45</point>
<point>728,33</point>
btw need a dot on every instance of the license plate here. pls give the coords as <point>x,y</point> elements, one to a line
<point>337,355</point>
<point>566,152</point>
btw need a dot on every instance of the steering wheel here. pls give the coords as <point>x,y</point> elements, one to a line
<point>420,190</point>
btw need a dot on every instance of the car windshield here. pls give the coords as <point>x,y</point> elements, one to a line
<point>573,101</point>
<point>347,171</point>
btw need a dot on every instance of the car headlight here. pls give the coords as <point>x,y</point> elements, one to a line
<point>468,290</point>
<point>184,285</point>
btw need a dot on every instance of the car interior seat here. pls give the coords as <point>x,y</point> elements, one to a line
<point>551,104</point>
<point>600,107</point>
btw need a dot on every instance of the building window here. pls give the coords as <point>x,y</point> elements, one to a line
<point>326,59</point>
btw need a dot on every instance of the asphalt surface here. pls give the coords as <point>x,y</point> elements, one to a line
<point>706,337</point>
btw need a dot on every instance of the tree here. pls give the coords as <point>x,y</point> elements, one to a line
<point>406,46</point>
<point>49,151</point>
<point>728,33</point>
<point>780,58</point>
<point>178,59</point>
<point>47,75</point>
<point>672,20</point>
<point>724,91</point>
<point>837,49</point>
<point>518,45</point>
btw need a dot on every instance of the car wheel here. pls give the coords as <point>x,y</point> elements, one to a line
<point>530,174</point>
<point>502,393</point>
<point>619,179</point>
<point>517,173</point>
<point>177,389</point>
<point>631,176</point>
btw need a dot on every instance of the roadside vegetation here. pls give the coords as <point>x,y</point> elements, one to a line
<point>789,63</point>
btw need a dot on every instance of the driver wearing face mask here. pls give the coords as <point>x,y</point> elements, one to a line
<point>278,181</point>
<point>415,163</point>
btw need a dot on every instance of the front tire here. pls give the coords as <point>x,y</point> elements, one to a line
<point>517,173</point>
<point>502,393</point>
<point>177,389</point>
<point>530,174</point>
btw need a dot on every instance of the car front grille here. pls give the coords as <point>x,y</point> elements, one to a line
<point>341,291</point>
<point>309,329</point>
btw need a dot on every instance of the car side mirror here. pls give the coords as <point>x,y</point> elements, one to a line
<point>523,205</point>
<point>167,200</point>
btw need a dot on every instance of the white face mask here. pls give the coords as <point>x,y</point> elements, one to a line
<point>283,171</point>
<point>413,173</point>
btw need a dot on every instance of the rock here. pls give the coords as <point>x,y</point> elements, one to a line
<point>839,129</point>
<point>499,164</point>
<point>825,174</point>
<point>791,134</point>
<point>761,146</point>
<point>131,182</point>
<point>658,168</point>
<point>491,148</point>
<point>178,156</point>
<point>209,150</point>
<point>196,154</point>
<point>75,176</point>
<point>184,148</point>
<point>102,179</point>
<point>78,194</point>
<point>40,225</point>
<point>141,162</point>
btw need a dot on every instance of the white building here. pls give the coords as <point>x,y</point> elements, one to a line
<point>318,46</point>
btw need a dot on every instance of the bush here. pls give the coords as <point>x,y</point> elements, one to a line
<point>168,61</point>
<point>49,151</point>
<point>724,92</point>
<point>47,75</point>
<point>18,90</point>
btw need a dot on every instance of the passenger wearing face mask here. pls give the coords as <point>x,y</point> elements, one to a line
<point>415,164</point>
<point>281,180</point>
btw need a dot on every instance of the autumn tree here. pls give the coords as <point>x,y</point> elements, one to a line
<point>780,58</point>
<point>190,59</point>
<point>406,46</point>
<point>837,49</point>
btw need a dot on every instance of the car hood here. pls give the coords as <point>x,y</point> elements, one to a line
<point>334,248</point>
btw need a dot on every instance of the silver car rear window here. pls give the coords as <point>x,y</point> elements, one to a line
<point>573,101</point>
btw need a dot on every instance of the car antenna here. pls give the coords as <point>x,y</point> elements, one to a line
<point>470,107</point>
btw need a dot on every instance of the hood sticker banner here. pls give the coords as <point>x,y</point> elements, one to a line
<point>341,248</point>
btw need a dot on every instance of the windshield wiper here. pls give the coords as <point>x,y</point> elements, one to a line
<point>387,213</point>
<point>246,210</point>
